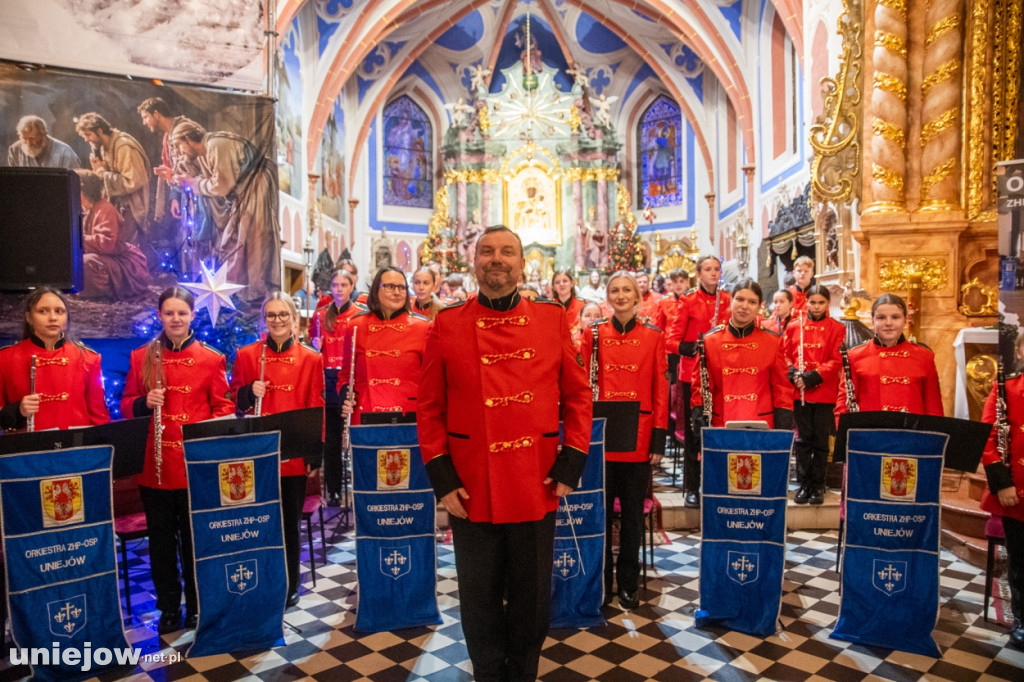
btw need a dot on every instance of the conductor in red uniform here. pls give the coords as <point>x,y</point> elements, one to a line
<point>747,369</point>
<point>701,309</point>
<point>498,373</point>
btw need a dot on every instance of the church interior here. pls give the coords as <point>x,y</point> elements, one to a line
<point>640,135</point>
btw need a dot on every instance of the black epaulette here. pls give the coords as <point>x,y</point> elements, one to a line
<point>774,333</point>
<point>862,343</point>
<point>359,306</point>
<point>416,316</point>
<point>715,330</point>
<point>364,311</point>
<point>453,306</point>
<point>85,347</point>
<point>1013,376</point>
<point>308,347</point>
<point>209,347</point>
<point>10,345</point>
<point>652,326</point>
<point>544,300</point>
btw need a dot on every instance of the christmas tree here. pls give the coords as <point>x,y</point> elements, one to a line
<point>625,251</point>
<point>442,243</point>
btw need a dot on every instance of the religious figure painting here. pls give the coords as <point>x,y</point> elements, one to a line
<point>331,189</point>
<point>660,162</point>
<point>408,151</point>
<point>289,110</point>
<point>532,206</point>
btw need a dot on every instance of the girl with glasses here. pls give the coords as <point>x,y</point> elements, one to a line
<point>388,352</point>
<point>281,374</point>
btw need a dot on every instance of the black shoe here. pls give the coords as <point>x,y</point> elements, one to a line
<point>1016,639</point>
<point>293,598</point>
<point>817,496</point>
<point>191,620</point>
<point>628,600</point>
<point>691,500</point>
<point>802,495</point>
<point>334,500</point>
<point>170,621</point>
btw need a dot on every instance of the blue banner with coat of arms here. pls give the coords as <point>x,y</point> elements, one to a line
<point>743,528</point>
<point>234,496</point>
<point>396,552</point>
<point>890,584</point>
<point>577,574</point>
<point>58,536</point>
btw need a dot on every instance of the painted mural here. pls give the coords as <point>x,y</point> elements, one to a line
<point>408,153</point>
<point>289,114</point>
<point>331,166</point>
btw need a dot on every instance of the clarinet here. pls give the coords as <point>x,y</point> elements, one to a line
<point>705,380</point>
<point>800,353</point>
<point>593,368</point>
<point>263,369</point>
<point>32,389</point>
<point>851,396</point>
<point>1002,423</point>
<point>158,424</point>
<point>347,440</point>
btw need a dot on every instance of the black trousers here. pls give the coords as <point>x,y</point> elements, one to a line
<point>1014,531</point>
<point>293,494</point>
<point>510,561</point>
<point>691,449</point>
<point>170,541</point>
<point>815,422</point>
<point>333,426</point>
<point>627,481</point>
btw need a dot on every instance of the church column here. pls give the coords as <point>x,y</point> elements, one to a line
<point>577,209</point>
<point>941,92</point>
<point>460,205</point>
<point>602,204</point>
<point>888,109</point>
<point>710,197</point>
<point>485,203</point>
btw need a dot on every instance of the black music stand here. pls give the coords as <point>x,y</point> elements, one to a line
<point>128,438</point>
<point>622,421</point>
<point>301,431</point>
<point>967,439</point>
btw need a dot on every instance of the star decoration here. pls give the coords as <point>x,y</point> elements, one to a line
<point>213,291</point>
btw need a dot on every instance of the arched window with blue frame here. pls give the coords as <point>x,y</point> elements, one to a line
<point>659,140</point>
<point>408,155</point>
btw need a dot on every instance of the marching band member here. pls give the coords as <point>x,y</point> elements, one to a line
<point>812,346</point>
<point>589,313</point>
<point>187,386</point>
<point>890,373</point>
<point>278,375</point>
<point>498,373</point>
<point>631,366</point>
<point>328,333</point>
<point>746,369</point>
<point>1003,460</point>
<point>702,308</point>
<point>803,273</point>
<point>388,352</point>
<point>565,295</point>
<point>648,298</point>
<point>668,305</point>
<point>68,383</point>
<point>782,312</point>
<point>426,303</point>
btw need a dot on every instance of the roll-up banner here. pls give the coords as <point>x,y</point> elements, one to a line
<point>396,551</point>
<point>577,574</point>
<point>61,561</point>
<point>890,584</point>
<point>743,522</point>
<point>234,493</point>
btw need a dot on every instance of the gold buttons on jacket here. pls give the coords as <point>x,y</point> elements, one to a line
<point>731,398</point>
<point>521,354</point>
<point>507,445</point>
<point>894,408</point>
<point>287,360</point>
<point>488,322</point>
<point>750,345</point>
<point>895,380</point>
<point>53,397</point>
<point>393,381</point>
<point>894,354</point>
<point>609,367</point>
<point>393,353</point>
<point>727,371</point>
<point>287,388</point>
<point>525,398</point>
<point>48,362</point>
<point>178,389</point>
<point>180,418</point>
<point>183,362</point>
<point>399,327</point>
<point>622,342</point>
<point>612,395</point>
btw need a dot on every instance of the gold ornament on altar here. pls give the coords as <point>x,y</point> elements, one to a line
<point>894,275</point>
<point>484,120</point>
<point>624,201</point>
<point>574,119</point>
<point>978,300</point>
<point>981,372</point>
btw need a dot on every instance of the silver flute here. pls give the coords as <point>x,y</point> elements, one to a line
<point>347,441</point>
<point>263,370</point>
<point>32,389</point>
<point>593,368</point>
<point>158,414</point>
<point>800,353</point>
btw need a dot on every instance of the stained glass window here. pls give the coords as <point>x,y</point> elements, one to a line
<point>408,164</point>
<point>659,139</point>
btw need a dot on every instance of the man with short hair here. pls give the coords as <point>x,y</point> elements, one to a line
<point>803,273</point>
<point>120,160</point>
<point>498,372</point>
<point>648,299</point>
<point>36,149</point>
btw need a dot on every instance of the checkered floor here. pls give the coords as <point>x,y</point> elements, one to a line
<point>657,641</point>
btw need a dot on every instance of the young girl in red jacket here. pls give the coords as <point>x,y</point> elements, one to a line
<point>811,343</point>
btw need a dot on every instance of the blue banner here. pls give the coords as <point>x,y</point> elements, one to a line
<point>743,528</point>
<point>890,588</point>
<point>577,575</point>
<point>60,556</point>
<point>396,552</point>
<point>234,493</point>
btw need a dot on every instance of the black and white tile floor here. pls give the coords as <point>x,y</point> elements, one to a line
<point>657,641</point>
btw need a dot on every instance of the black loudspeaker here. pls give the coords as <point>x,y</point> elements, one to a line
<point>40,229</point>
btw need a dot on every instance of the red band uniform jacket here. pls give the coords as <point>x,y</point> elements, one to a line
<point>295,377</point>
<point>900,378</point>
<point>493,384</point>
<point>332,343</point>
<point>1000,475</point>
<point>196,390</point>
<point>389,358</point>
<point>68,380</point>
<point>822,363</point>
<point>632,366</point>
<point>696,315</point>
<point>746,373</point>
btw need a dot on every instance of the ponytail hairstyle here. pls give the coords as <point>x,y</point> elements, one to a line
<point>435,303</point>
<point>889,299</point>
<point>148,376</point>
<point>331,317</point>
<point>818,290</point>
